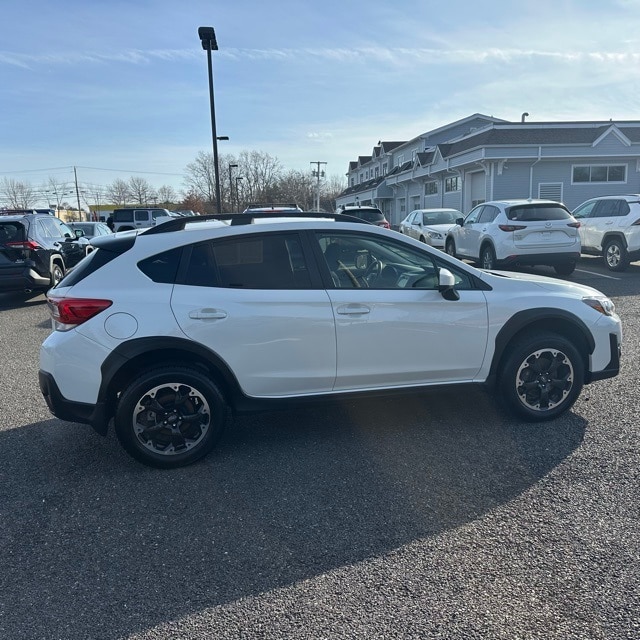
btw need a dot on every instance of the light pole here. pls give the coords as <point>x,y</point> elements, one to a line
<point>207,36</point>
<point>238,178</point>
<point>231,166</point>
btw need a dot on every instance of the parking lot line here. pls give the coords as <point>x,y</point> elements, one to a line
<point>595,273</point>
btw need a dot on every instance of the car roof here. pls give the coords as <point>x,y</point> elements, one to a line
<point>520,201</point>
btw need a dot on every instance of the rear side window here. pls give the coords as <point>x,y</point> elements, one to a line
<point>162,267</point>
<point>538,213</point>
<point>268,261</point>
<point>123,215</point>
<point>611,209</point>
<point>142,215</point>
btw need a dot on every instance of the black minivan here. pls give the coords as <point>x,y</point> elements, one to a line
<point>36,249</point>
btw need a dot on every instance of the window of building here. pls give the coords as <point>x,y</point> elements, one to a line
<point>431,188</point>
<point>384,169</point>
<point>599,173</point>
<point>399,160</point>
<point>361,177</point>
<point>353,181</point>
<point>376,171</point>
<point>452,184</point>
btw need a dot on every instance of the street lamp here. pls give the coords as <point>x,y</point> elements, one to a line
<point>207,36</point>
<point>238,178</point>
<point>231,166</point>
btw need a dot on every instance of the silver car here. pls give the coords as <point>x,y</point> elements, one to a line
<point>430,225</point>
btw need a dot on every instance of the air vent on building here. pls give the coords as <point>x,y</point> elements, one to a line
<point>550,191</point>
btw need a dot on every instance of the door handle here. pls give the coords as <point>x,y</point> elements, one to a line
<point>207,314</point>
<point>353,310</point>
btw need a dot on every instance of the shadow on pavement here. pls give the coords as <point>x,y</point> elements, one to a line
<point>96,545</point>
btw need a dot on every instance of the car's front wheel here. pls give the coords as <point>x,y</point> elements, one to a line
<point>170,417</point>
<point>615,254</point>
<point>541,377</point>
<point>450,247</point>
<point>57,273</point>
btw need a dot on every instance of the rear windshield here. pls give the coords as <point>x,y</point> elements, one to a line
<point>538,212</point>
<point>370,215</point>
<point>11,232</point>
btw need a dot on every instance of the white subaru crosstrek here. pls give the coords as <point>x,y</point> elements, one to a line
<point>162,331</point>
<point>518,232</point>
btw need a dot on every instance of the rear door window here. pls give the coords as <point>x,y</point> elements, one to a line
<point>124,215</point>
<point>141,215</point>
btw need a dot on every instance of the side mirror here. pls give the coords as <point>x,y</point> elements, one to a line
<point>459,221</point>
<point>446,284</point>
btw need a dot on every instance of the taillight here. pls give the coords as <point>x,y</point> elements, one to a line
<point>512,227</point>
<point>575,225</point>
<point>26,244</point>
<point>68,313</point>
<point>636,223</point>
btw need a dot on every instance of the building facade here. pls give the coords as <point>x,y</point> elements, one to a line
<point>482,158</point>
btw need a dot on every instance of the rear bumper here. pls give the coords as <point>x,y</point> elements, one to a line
<point>70,411</point>
<point>532,259</point>
<point>21,278</point>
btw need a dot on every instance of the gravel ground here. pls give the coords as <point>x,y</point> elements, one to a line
<point>428,517</point>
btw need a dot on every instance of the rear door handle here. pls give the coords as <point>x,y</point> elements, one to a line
<point>207,314</point>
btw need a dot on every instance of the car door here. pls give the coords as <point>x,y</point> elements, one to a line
<point>72,251</point>
<point>585,215</point>
<point>416,225</point>
<point>255,301</point>
<point>467,236</point>
<point>607,216</point>
<point>393,326</point>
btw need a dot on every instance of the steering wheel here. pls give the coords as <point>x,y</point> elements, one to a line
<point>373,271</point>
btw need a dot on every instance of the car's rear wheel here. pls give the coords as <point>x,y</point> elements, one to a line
<point>541,377</point>
<point>487,257</point>
<point>565,269</point>
<point>170,417</point>
<point>450,248</point>
<point>615,255</point>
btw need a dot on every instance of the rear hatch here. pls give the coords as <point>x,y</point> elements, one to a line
<point>14,249</point>
<point>541,226</point>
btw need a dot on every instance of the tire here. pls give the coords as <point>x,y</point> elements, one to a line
<point>57,273</point>
<point>151,423</point>
<point>541,377</point>
<point>487,258</point>
<point>450,248</point>
<point>615,255</point>
<point>423,239</point>
<point>565,269</point>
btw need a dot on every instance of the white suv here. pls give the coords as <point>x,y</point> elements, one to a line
<point>518,232</point>
<point>163,331</point>
<point>610,227</point>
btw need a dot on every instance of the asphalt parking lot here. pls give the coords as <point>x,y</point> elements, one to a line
<point>433,516</point>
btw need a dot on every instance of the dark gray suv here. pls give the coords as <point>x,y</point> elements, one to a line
<point>36,250</point>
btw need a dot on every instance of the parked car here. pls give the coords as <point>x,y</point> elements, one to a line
<point>36,249</point>
<point>430,225</point>
<point>517,232</point>
<point>273,208</point>
<point>370,214</point>
<point>183,321</point>
<point>86,231</point>
<point>610,227</point>
<point>139,218</point>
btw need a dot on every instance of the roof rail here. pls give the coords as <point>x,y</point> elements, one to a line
<point>177,224</point>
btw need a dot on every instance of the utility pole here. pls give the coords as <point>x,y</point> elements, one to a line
<point>317,173</point>
<point>75,173</point>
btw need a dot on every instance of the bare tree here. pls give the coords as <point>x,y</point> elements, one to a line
<point>19,195</point>
<point>141,190</point>
<point>167,195</point>
<point>293,187</point>
<point>118,192</point>
<point>57,189</point>
<point>261,173</point>
<point>330,189</point>
<point>200,178</point>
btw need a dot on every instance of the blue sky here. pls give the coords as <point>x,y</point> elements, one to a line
<point>120,88</point>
